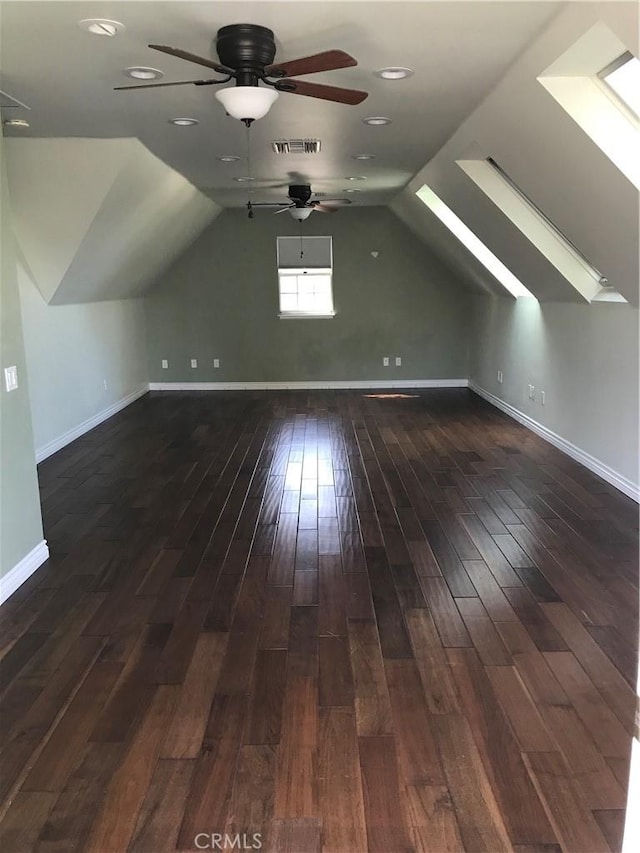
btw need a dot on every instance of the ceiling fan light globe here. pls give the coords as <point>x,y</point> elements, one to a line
<point>301,213</point>
<point>247,102</point>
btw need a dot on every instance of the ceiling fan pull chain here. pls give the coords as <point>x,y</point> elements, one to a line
<point>301,241</point>
<point>249,175</point>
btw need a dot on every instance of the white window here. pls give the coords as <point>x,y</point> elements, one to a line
<point>305,277</point>
<point>623,78</point>
<point>538,228</point>
<point>596,81</point>
<point>477,248</point>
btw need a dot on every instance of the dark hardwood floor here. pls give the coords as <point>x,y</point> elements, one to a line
<point>344,622</point>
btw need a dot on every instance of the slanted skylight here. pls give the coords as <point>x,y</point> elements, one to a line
<point>536,226</point>
<point>596,80</point>
<point>623,77</point>
<point>477,248</point>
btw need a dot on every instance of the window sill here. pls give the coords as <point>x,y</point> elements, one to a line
<point>293,315</point>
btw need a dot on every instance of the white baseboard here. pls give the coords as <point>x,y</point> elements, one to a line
<point>71,435</point>
<point>16,576</point>
<point>628,487</point>
<point>308,385</point>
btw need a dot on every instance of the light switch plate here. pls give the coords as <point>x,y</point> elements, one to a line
<point>216,362</point>
<point>11,378</point>
<point>165,364</point>
<point>194,362</point>
<point>398,361</point>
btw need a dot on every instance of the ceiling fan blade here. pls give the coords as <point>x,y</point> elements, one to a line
<point>325,93</point>
<point>329,60</point>
<point>333,202</point>
<point>192,57</point>
<point>178,83</point>
<point>322,208</point>
<point>283,209</point>
<point>268,204</point>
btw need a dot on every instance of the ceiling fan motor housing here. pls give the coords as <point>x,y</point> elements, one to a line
<point>300,193</point>
<point>248,48</point>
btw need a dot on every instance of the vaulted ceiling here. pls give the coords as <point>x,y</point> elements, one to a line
<point>457,50</point>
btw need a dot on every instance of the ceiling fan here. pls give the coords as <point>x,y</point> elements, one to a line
<point>247,53</point>
<point>301,204</point>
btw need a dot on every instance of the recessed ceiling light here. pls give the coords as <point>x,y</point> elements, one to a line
<point>101,26</point>
<point>15,122</point>
<point>351,190</point>
<point>141,72</point>
<point>377,121</point>
<point>364,156</point>
<point>183,122</point>
<point>395,72</point>
<point>228,158</point>
<point>244,180</point>
<point>356,178</point>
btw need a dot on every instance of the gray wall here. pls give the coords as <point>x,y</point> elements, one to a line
<point>220,300</point>
<point>20,520</point>
<point>585,359</point>
<point>72,350</point>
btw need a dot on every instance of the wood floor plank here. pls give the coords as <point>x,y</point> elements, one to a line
<point>296,792</point>
<point>209,796</point>
<point>432,819</point>
<point>418,757</point>
<point>521,810</point>
<point>161,812</point>
<point>372,704</point>
<point>341,799</point>
<point>478,814</point>
<point>435,674</point>
<point>24,820</point>
<point>116,821</point>
<point>52,769</point>
<point>572,821</point>
<point>386,830</point>
<point>183,738</point>
<point>252,798</point>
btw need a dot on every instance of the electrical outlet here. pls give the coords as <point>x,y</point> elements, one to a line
<point>11,378</point>
<point>398,361</point>
<point>385,361</point>
<point>542,396</point>
<point>194,362</point>
<point>165,364</point>
<point>532,392</point>
<point>216,362</point>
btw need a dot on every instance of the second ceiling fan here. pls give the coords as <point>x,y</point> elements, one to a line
<point>247,53</point>
<point>301,205</point>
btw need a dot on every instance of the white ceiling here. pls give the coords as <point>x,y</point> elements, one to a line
<point>458,51</point>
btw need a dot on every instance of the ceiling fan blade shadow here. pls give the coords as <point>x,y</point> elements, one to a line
<point>328,60</point>
<point>324,93</point>
<point>177,83</point>
<point>192,57</point>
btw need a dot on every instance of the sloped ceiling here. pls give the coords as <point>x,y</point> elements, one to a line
<point>99,219</point>
<point>554,162</point>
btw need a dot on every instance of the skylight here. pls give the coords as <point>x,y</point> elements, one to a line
<point>623,77</point>
<point>536,226</point>
<point>477,248</point>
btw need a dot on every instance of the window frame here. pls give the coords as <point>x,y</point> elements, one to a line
<point>307,271</point>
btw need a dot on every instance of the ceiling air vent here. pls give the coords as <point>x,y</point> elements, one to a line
<point>9,103</point>
<point>296,146</point>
